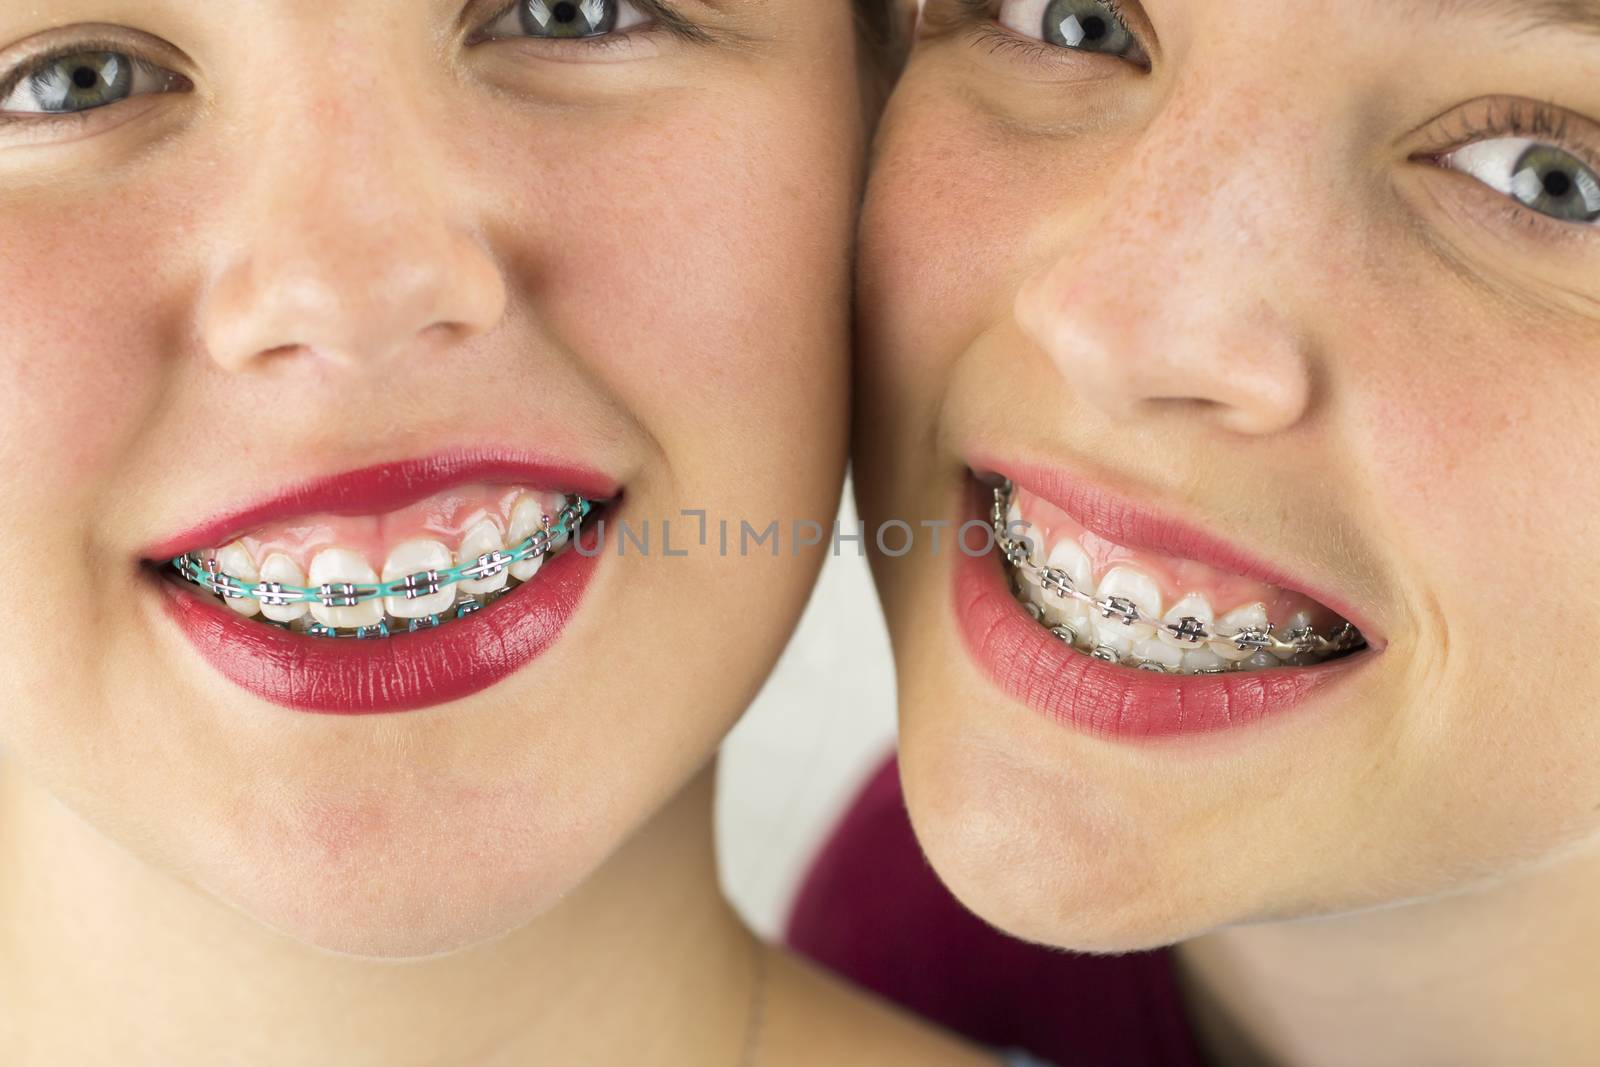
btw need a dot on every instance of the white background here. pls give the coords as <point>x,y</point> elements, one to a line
<point>823,722</point>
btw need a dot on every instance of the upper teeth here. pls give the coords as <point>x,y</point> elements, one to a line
<point>1120,618</point>
<point>1126,597</point>
<point>1187,623</point>
<point>1251,617</point>
<point>527,516</point>
<point>421,558</point>
<point>235,560</point>
<point>278,570</point>
<point>337,571</point>
<point>483,539</point>
<point>421,577</point>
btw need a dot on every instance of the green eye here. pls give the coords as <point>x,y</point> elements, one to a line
<point>78,82</point>
<point>1536,175</point>
<point>566,19</point>
<point>82,81</point>
<point>1085,24</point>
<point>1081,25</point>
<point>1556,183</point>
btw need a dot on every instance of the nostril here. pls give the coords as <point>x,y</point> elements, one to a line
<point>351,296</point>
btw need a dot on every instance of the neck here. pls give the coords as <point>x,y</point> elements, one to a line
<point>644,963</point>
<point>1502,975</point>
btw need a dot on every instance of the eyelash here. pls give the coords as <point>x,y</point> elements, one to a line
<point>1520,118</point>
<point>978,16</point>
<point>1533,119</point>
<point>663,19</point>
<point>15,77</point>
<point>998,40</point>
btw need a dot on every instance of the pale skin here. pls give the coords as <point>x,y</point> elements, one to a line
<point>175,976</point>
<point>1236,283</point>
<point>351,235</point>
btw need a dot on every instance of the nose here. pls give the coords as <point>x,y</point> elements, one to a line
<point>1175,296</point>
<point>350,253</point>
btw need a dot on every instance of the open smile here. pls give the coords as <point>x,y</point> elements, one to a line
<point>449,572</point>
<point>1121,622</point>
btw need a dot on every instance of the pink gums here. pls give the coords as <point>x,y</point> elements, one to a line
<point>1176,578</point>
<point>445,517</point>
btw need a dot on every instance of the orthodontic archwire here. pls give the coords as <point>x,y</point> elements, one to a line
<point>206,572</point>
<point>1300,640</point>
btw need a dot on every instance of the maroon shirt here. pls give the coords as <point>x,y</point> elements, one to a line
<point>872,909</point>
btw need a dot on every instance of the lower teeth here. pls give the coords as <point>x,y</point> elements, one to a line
<point>202,570</point>
<point>1270,648</point>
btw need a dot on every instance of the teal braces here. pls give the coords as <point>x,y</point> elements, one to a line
<point>207,573</point>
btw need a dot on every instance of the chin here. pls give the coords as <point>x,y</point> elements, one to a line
<point>402,877</point>
<point>1046,859</point>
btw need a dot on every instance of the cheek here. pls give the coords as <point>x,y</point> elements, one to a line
<point>1483,451</point>
<point>723,234</point>
<point>959,213</point>
<point>937,234</point>
<point>75,329</point>
<point>1479,452</point>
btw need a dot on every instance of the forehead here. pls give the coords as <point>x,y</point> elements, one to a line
<point>1577,15</point>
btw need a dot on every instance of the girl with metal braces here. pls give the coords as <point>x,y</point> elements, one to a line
<point>339,280</point>
<point>1261,307</point>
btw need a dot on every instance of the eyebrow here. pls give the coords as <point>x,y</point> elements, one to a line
<point>1575,15</point>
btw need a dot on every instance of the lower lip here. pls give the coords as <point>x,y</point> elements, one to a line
<point>421,669</point>
<point>1033,666</point>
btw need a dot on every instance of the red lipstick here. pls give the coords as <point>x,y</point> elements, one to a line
<point>344,676</point>
<point>383,488</point>
<point>1033,666</point>
<point>407,671</point>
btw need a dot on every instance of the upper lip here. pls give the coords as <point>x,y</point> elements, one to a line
<point>1127,522</point>
<point>385,487</point>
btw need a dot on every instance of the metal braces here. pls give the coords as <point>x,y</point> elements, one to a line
<point>1295,641</point>
<point>206,572</point>
<point>381,628</point>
